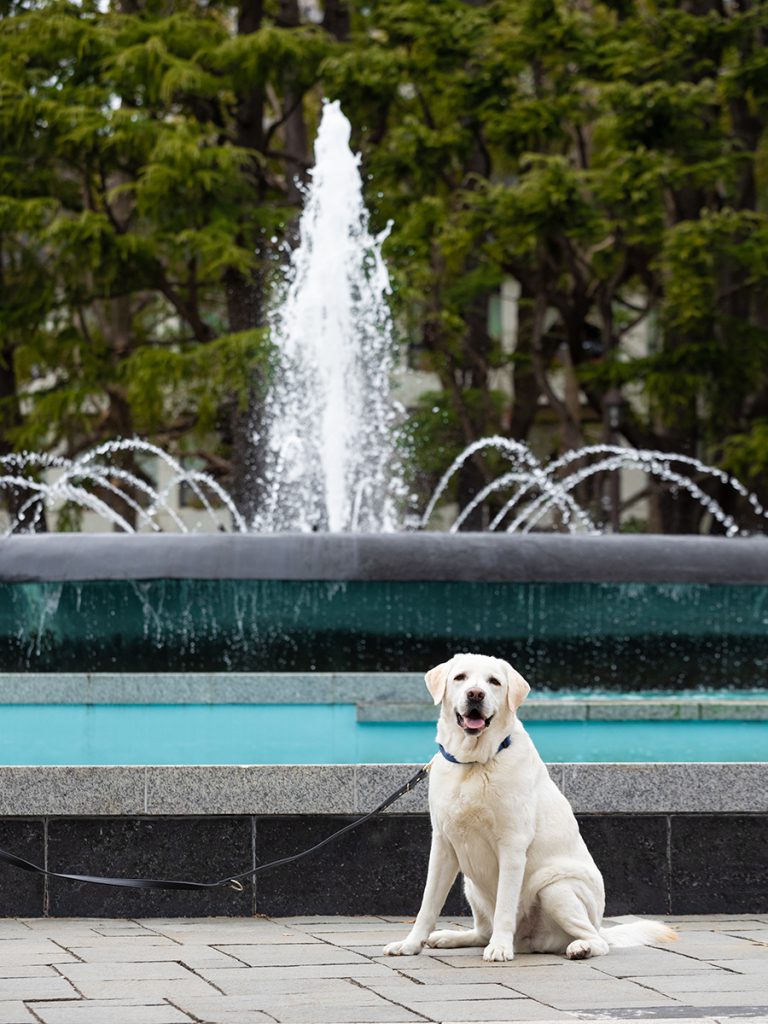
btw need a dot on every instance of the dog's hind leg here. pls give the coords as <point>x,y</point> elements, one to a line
<point>482,911</point>
<point>561,903</point>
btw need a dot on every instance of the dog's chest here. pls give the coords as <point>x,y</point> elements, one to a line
<point>468,804</point>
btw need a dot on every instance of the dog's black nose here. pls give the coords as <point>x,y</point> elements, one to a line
<point>475,696</point>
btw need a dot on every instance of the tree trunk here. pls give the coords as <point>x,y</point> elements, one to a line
<point>16,497</point>
<point>245,417</point>
<point>245,304</point>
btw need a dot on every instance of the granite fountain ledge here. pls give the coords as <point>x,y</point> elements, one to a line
<point>379,696</point>
<point>266,790</point>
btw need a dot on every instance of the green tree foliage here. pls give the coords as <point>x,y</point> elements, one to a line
<point>609,157</point>
<point>147,158</point>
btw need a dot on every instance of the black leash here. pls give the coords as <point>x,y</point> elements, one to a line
<point>231,880</point>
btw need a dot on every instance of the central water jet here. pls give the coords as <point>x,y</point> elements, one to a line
<point>330,444</point>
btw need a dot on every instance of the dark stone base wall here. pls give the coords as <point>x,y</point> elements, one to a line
<point>652,864</point>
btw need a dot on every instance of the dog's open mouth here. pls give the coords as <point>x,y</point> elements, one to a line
<point>473,722</point>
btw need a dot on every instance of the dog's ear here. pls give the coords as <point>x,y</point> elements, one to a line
<point>517,688</point>
<point>437,680</point>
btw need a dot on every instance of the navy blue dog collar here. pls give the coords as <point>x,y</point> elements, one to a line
<point>454,760</point>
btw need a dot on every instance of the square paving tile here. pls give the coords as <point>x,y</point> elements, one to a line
<point>490,1010</point>
<point>15,1012</point>
<point>109,1011</point>
<point>47,987</point>
<point>292,955</point>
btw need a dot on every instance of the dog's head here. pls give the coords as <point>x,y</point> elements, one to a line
<point>476,691</point>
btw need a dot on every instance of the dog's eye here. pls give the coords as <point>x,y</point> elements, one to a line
<point>460,677</point>
<point>493,681</point>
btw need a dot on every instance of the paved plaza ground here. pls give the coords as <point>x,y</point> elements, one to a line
<point>331,971</point>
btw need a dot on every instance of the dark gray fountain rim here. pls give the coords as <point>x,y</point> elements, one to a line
<point>425,556</point>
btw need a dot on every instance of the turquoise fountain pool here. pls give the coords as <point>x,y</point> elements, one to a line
<point>329,734</point>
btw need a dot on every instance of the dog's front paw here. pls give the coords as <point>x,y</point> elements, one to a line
<point>408,947</point>
<point>498,951</point>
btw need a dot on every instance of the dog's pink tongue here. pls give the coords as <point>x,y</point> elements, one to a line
<point>475,724</point>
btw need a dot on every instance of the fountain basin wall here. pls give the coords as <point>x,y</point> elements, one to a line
<point>615,613</point>
<point>674,839</point>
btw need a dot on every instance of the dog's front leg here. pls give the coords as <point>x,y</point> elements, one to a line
<point>441,874</point>
<point>511,869</point>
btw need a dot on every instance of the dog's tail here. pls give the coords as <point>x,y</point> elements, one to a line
<point>637,932</point>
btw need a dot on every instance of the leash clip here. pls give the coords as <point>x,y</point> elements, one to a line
<point>237,886</point>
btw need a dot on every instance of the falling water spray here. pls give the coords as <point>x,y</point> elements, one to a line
<point>330,444</point>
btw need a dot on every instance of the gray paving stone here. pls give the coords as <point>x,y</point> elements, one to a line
<point>635,962</point>
<point>361,1013</point>
<point>499,973</point>
<point>138,988</point>
<point>482,1010</point>
<point>712,924</point>
<point>47,987</point>
<point>752,934</point>
<point>12,929</point>
<point>15,1013</point>
<point>188,954</point>
<point>80,974</point>
<point>683,1015</point>
<point>227,1010</point>
<point>251,981</point>
<point>466,961</point>
<point>290,975</point>
<point>336,993</point>
<point>752,965</point>
<point>109,1011</point>
<point>33,954</point>
<point>717,946</point>
<point>704,920</point>
<point>120,926</point>
<point>564,972</point>
<point>574,992</point>
<point>293,955</point>
<point>339,923</point>
<point>350,928</point>
<point>363,942</point>
<point>143,940</point>
<point>259,934</point>
<point>400,991</point>
<point>730,1001</point>
<point>23,971</point>
<point>302,990</point>
<point>710,981</point>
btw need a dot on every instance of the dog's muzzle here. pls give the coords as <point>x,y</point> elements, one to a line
<point>472,720</point>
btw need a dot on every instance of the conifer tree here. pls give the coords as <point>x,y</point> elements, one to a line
<point>610,157</point>
<point>146,180</point>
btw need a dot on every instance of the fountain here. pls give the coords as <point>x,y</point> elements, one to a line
<point>330,442</point>
<point>76,482</point>
<point>538,490</point>
<point>331,436</point>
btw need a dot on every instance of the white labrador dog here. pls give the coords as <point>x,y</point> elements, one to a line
<point>499,819</point>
